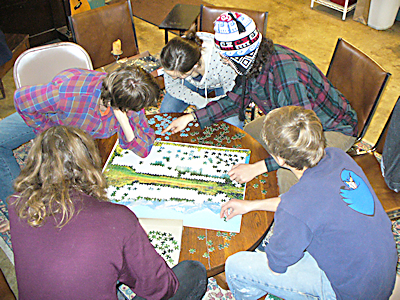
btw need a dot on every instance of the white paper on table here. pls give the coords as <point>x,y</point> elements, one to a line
<point>164,230</point>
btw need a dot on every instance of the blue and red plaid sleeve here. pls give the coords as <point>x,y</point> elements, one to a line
<point>35,104</point>
<point>144,134</point>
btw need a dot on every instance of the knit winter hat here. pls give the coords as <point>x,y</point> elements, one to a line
<point>238,38</point>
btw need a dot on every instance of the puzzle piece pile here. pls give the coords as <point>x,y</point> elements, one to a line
<point>227,236</point>
<point>165,244</point>
<point>221,131</point>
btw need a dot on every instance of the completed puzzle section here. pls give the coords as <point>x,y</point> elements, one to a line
<point>177,181</point>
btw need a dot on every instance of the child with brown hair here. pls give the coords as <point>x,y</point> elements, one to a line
<point>332,239</point>
<point>100,104</point>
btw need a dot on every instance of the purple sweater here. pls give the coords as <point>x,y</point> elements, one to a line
<point>102,243</point>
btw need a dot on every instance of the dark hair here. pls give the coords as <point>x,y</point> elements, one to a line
<point>182,53</point>
<point>265,51</point>
<point>61,159</point>
<point>130,88</point>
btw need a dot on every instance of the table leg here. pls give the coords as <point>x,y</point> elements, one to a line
<point>166,36</point>
<point>3,92</point>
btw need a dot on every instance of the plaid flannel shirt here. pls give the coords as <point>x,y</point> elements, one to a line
<point>71,98</point>
<point>290,78</point>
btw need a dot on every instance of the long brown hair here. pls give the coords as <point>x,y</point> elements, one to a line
<point>182,53</point>
<point>61,159</point>
<point>263,57</point>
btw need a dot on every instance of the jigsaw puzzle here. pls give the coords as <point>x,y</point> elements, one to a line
<point>177,181</point>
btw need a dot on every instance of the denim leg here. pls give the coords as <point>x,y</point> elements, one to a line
<point>249,277</point>
<point>172,105</point>
<point>13,133</point>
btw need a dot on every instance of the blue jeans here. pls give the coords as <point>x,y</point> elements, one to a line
<point>13,133</point>
<point>171,104</point>
<point>249,277</point>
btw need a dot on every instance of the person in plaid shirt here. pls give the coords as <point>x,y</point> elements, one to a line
<point>97,103</point>
<point>271,76</point>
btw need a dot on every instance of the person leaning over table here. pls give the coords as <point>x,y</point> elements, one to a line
<point>70,242</point>
<point>271,76</point>
<point>193,70</point>
<point>99,104</point>
<point>332,238</point>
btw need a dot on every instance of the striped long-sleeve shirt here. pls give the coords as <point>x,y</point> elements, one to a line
<point>290,78</point>
<point>72,98</point>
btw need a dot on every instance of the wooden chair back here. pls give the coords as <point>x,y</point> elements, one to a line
<point>97,29</point>
<point>208,14</point>
<point>360,79</point>
<point>390,199</point>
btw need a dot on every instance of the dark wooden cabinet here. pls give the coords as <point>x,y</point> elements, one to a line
<point>43,20</point>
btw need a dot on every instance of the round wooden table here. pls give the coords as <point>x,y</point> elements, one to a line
<point>212,247</point>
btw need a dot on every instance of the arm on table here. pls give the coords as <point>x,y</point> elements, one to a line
<point>245,172</point>
<point>135,132</point>
<point>236,207</point>
<point>124,123</point>
<point>179,124</point>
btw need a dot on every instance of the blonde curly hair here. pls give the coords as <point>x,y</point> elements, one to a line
<point>296,135</point>
<point>62,159</point>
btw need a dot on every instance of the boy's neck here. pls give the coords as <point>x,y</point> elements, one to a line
<point>296,172</point>
<point>282,163</point>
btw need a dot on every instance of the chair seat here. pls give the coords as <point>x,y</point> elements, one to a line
<point>390,199</point>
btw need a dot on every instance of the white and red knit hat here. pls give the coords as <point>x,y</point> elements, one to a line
<point>238,39</point>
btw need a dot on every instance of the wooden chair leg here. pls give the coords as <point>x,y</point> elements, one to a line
<point>5,291</point>
<point>3,92</point>
<point>221,281</point>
